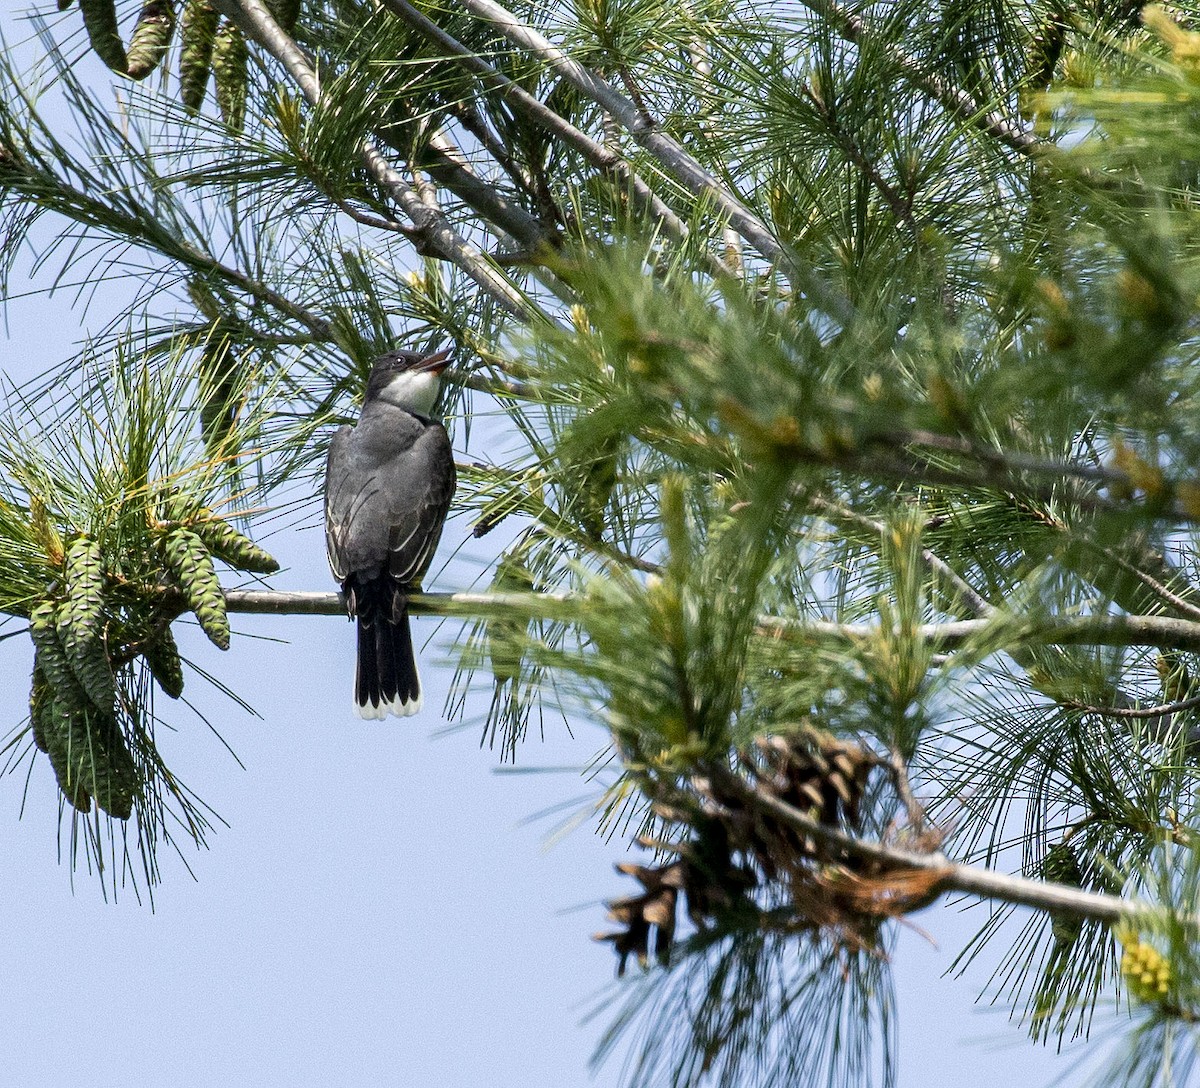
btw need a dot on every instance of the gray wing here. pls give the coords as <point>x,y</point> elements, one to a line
<point>339,502</point>
<point>416,527</point>
<point>388,485</point>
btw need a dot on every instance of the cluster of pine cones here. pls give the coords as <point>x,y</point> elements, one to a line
<point>209,46</point>
<point>100,615</point>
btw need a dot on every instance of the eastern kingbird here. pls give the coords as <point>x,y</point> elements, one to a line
<point>388,484</point>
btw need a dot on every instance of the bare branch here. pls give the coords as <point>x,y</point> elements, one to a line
<point>328,603</point>
<point>1167,632</point>
<point>1163,711</point>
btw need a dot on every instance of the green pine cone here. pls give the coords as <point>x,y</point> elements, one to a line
<point>100,19</point>
<point>189,561</point>
<point>85,747</point>
<point>85,570</point>
<point>230,59</point>
<point>504,636</point>
<point>151,37</point>
<point>1061,866</point>
<point>90,759</point>
<point>49,656</point>
<point>196,38</point>
<point>162,655</point>
<point>235,548</point>
<point>61,739</point>
<point>80,623</point>
<point>218,389</point>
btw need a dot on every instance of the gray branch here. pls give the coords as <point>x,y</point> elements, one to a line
<point>599,156</point>
<point>670,154</point>
<point>271,602</point>
<point>440,237</point>
<point>1166,632</point>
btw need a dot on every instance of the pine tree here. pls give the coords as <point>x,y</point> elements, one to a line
<point>845,354</point>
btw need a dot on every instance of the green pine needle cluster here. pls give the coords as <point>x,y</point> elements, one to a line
<point>108,536</point>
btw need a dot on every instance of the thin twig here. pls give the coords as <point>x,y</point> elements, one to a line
<point>499,386</point>
<point>1162,731</point>
<point>446,164</point>
<point>1157,588</point>
<point>374,221</point>
<point>1164,710</point>
<point>467,114</point>
<point>913,808</point>
<point>895,457</point>
<point>974,601</point>
<point>901,209</point>
<point>1007,461</point>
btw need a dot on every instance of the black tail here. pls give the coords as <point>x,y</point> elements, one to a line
<point>386,679</point>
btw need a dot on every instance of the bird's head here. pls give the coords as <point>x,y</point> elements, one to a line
<point>407,379</point>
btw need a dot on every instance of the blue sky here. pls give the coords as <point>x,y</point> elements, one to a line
<point>382,908</point>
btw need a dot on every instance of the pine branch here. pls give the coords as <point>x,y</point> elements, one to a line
<point>437,234</point>
<point>669,153</point>
<point>852,28</point>
<point>604,159</point>
<point>896,456</point>
<point>42,187</point>
<point>443,162</point>
<point>1165,632</point>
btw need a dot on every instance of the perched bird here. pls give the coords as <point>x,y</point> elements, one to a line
<point>388,484</point>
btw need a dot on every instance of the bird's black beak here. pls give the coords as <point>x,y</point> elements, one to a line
<point>435,363</point>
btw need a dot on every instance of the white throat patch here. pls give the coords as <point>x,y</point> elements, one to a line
<point>414,391</point>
